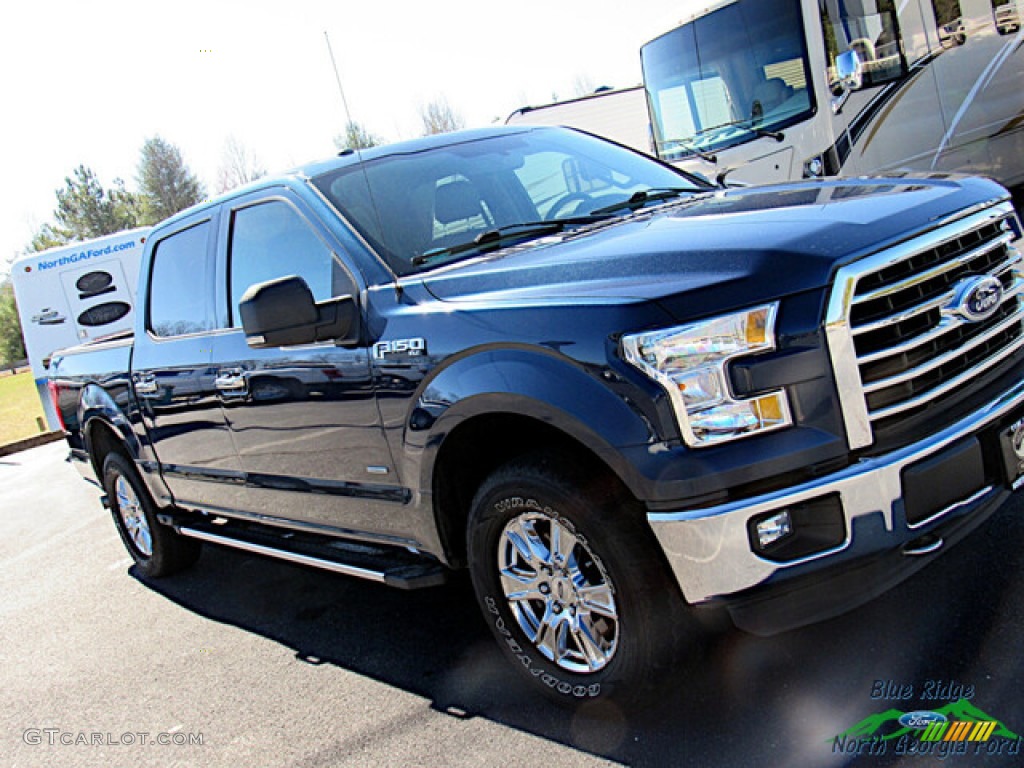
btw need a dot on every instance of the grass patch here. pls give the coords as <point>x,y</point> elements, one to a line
<point>19,407</point>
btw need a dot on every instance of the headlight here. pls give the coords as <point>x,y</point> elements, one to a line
<point>690,362</point>
<point>814,168</point>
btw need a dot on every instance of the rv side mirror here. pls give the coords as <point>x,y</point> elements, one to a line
<point>849,70</point>
<point>282,312</point>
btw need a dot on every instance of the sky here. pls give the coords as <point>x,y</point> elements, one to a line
<point>89,82</point>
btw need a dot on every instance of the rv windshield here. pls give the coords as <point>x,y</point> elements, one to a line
<point>728,77</point>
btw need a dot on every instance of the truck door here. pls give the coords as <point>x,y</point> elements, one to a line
<point>172,368</point>
<point>304,419</point>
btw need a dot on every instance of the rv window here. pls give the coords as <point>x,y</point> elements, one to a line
<point>874,35</point>
<point>724,78</point>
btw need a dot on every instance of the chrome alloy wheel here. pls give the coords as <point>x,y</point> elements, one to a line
<point>559,592</point>
<point>134,516</point>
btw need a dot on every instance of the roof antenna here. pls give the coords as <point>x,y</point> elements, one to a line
<point>357,150</point>
<point>337,77</point>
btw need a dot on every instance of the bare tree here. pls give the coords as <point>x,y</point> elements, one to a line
<point>237,165</point>
<point>582,85</point>
<point>356,136</point>
<point>439,117</point>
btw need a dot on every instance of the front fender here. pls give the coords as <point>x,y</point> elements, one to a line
<point>578,400</point>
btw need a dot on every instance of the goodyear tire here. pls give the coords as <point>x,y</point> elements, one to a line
<point>572,583</point>
<point>157,549</point>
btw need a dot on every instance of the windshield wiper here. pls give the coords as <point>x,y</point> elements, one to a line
<point>643,197</point>
<point>499,236</point>
<point>710,157</point>
<point>763,133</point>
<point>687,145</point>
<point>720,126</point>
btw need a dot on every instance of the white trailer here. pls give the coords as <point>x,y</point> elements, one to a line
<point>770,90</point>
<point>75,293</point>
<point>616,114</point>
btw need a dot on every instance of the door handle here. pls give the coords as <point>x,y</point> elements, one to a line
<point>145,384</point>
<point>231,382</point>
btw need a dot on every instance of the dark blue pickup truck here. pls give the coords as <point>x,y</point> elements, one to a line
<point>617,395</point>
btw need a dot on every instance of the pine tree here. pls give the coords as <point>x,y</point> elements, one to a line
<point>12,344</point>
<point>166,185</point>
<point>86,210</point>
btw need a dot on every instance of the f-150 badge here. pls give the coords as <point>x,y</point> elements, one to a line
<point>400,347</point>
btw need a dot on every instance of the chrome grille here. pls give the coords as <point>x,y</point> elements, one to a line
<point>903,325</point>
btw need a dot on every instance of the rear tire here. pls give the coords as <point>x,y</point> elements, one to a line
<point>156,548</point>
<point>573,584</point>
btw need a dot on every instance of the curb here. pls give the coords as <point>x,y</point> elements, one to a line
<point>30,442</point>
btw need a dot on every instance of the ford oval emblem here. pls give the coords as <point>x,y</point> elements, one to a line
<point>921,719</point>
<point>977,298</point>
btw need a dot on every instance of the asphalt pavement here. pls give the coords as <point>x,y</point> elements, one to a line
<point>244,661</point>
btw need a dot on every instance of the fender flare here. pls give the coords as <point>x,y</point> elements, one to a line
<point>97,404</point>
<point>533,382</point>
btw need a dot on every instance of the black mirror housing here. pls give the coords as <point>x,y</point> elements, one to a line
<point>282,312</point>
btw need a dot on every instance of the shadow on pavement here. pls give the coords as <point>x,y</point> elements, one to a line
<point>776,701</point>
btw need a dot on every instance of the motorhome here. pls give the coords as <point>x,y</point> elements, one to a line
<point>75,293</point>
<point>619,114</point>
<point>769,90</point>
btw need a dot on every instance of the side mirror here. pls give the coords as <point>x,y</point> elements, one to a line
<point>282,312</point>
<point>850,70</point>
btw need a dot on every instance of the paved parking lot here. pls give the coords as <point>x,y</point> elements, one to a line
<point>244,661</point>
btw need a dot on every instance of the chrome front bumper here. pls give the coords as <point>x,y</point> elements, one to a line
<point>709,549</point>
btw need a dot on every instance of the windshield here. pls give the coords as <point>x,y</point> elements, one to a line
<point>727,77</point>
<point>428,206</point>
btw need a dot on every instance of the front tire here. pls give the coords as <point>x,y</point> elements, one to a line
<point>156,548</point>
<point>572,582</point>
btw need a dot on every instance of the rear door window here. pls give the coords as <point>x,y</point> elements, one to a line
<point>181,295</point>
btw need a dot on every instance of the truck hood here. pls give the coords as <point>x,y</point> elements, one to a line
<point>718,251</point>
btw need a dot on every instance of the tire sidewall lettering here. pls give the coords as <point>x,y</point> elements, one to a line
<point>532,667</point>
<point>506,508</point>
<point>493,514</point>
